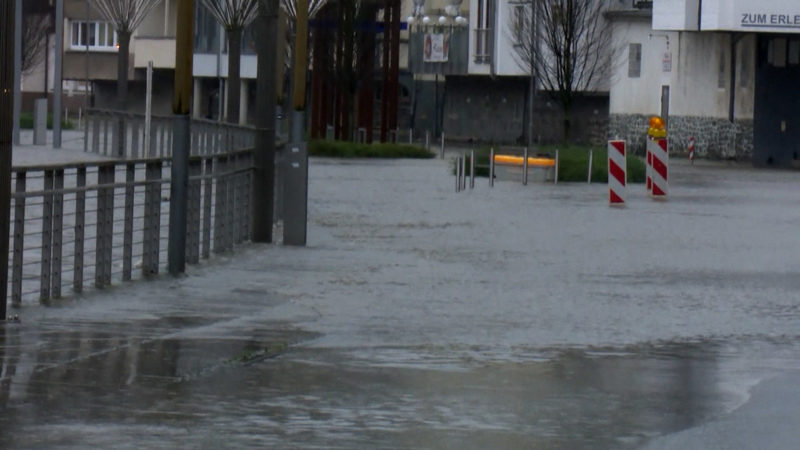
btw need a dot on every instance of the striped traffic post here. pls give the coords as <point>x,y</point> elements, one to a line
<point>617,173</point>
<point>649,165</point>
<point>660,156</point>
<point>691,149</point>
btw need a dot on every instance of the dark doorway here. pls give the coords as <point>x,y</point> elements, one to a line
<point>776,124</point>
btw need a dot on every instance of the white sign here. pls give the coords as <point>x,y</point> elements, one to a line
<point>762,16</point>
<point>435,47</point>
<point>667,62</point>
<point>770,16</point>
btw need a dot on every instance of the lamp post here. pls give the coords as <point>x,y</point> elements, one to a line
<point>7,33</point>
<point>181,108</point>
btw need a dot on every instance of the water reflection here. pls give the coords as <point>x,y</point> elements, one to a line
<point>156,390</point>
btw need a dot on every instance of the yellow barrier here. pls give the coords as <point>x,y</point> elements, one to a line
<point>519,160</point>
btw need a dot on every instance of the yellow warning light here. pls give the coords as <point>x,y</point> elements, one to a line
<point>657,127</point>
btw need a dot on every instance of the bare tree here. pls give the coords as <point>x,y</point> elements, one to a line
<point>568,47</point>
<point>234,15</point>
<point>35,28</point>
<point>125,16</point>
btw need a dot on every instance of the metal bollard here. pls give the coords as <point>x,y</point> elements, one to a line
<point>589,176</point>
<point>472,169</point>
<point>442,151</point>
<point>491,167</point>
<point>410,135</point>
<point>427,140</point>
<point>464,172</point>
<point>555,178</point>
<point>525,167</point>
<point>458,174</point>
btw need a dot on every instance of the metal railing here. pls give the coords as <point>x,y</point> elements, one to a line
<point>96,224</point>
<point>483,45</point>
<point>208,137</point>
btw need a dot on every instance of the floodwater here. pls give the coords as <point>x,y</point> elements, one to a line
<point>518,316</point>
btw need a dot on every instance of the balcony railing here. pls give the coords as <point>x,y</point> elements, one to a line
<point>483,45</point>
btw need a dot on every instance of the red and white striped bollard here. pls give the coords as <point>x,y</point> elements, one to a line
<point>617,173</point>
<point>691,149</point>
<point>660,157</point>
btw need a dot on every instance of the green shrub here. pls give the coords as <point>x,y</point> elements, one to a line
<point>26,122</point>
<point>574,165</point>
<point>343,149</point>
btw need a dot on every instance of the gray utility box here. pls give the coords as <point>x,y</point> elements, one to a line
<point>295,206</point>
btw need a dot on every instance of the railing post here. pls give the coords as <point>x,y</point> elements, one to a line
<point>152,218</point>
<point>220,166</point>
<point>193,216</point>
<point>472,169</point>
<point>58,226</point>
<point>104,225</point>
<point>95,132</point>
<point>235,199</point>
<point>80,220</point>
<point>525,167</point>
<point>85,126</point>
<point>127,237</point>
<point>491,167</point>
<point>458,174</point>
<point>105,135</point>
<point>230,205</point>
<point>135,139</point>
<point>19,239</point>
<point>208,184</point>
<point>249,177</point>
<point>47,236</point>
<point>153,139</point>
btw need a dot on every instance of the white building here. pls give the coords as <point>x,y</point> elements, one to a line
<point>723,71</point>
<point>488,81</point>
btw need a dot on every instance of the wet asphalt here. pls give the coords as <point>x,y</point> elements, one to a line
<point>513,317</point>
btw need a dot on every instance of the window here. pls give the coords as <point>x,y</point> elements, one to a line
<point>518,21</point>
<point>98,36</point>
<point>483,43</point>
<point>794,52</point>
<point>634,60</point>
<point>776,52</point>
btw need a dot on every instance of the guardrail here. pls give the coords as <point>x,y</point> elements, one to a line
<point>101,135</point>
<point>96,224</point>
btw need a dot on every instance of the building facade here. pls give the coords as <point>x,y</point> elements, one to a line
<point>722,72</point>
<point>486,79</point>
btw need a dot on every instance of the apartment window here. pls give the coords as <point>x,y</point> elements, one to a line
<point>483,42</point>
<point>97,35</point>
<point>634,60</point>
<point>794,52</point>
<point>776,52</point>
<point>518,21</point>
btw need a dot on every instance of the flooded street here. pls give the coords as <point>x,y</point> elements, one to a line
<point>513,317</point>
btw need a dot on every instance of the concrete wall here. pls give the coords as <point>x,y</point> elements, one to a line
<point>482,109</point>
<point>485,109</point>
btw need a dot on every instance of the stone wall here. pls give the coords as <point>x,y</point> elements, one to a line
<point>715,138</point>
